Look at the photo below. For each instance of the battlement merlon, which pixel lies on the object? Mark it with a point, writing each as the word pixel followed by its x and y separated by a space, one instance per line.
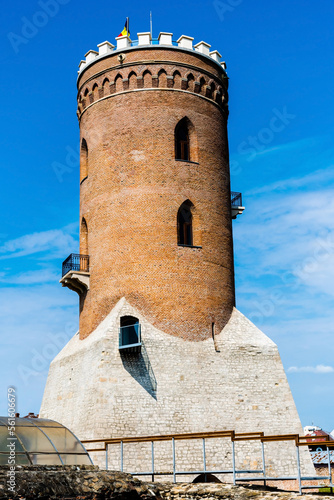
pixel 164 40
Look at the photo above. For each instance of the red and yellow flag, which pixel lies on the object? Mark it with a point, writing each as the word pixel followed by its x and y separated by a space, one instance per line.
pixel 126 30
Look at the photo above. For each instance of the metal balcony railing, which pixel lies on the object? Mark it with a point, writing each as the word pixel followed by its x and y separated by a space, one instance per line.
pixel 130 337
pixel 236 199
pixel 154 41
pixel 75 262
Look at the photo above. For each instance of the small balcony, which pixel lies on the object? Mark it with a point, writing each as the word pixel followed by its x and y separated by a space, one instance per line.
pixel 75 273
pixel 130 338
pixel 236 204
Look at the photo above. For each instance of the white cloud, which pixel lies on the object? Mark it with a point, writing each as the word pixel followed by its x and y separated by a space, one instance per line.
pixel 285 147
pixel 318 176
pixel 311 369
pixel 60 241
pixel 284 252
pixel 37 315
pixel 294 234
pixel 36 321
pixel 31 277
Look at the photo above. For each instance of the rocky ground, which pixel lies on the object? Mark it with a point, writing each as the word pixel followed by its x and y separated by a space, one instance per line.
pixel 90 483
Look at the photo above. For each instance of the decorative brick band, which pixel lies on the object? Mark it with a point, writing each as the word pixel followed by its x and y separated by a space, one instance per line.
pixel 91 103
pixel 183 78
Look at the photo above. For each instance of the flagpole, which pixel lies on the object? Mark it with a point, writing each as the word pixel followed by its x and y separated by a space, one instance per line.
pixel 151 23
pixel 128 27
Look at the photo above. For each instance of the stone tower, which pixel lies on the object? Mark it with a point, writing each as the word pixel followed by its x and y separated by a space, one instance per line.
pixel 160 348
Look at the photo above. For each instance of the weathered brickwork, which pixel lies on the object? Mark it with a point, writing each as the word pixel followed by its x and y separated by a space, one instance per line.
pixel 176 386
pixel 135 187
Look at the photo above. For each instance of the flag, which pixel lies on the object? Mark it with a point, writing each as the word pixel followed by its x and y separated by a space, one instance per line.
pixel 126 31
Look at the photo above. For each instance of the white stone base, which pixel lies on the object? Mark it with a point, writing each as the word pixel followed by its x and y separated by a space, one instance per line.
pixel 175 386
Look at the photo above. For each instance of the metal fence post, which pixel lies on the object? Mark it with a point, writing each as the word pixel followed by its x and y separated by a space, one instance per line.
pixel 174 467
pixel 298 467
pixel 204 459
pixel 263 464
pixel 329 466
pixel 152 448
pixel 121 456
pixel 106 456
pixel 233 462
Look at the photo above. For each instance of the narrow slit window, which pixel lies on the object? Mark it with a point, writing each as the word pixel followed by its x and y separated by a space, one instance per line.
pixel 84 160
pixel 184 224
pixel 182 151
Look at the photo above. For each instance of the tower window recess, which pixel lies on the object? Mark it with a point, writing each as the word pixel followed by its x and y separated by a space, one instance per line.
pixel 130 334
pixel 182 150
pixel 185 224
pixel 84 237
pixel 83 160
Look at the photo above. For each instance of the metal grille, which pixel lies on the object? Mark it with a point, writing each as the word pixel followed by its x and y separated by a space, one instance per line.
pixel 236 199
pixel 129 336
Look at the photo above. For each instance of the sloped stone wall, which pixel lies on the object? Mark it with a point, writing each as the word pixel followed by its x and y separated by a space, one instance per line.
pixel 235 381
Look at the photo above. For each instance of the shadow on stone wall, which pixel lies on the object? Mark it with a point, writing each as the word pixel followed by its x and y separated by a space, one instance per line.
pixel 138 365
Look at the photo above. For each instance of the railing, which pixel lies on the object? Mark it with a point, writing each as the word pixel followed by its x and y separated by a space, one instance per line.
pixel 154 41
pixel 75 262
pixel 130 337
pixel 234 437
pixel 236 199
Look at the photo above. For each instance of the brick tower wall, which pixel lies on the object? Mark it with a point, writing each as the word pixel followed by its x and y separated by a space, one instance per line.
pixel 132 188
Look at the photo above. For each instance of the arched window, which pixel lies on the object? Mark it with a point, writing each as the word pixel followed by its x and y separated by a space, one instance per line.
pixel 185 224
pixel 182 141
pixel 83 160
pixel 129 321
pixel 129 332
pixel 84 238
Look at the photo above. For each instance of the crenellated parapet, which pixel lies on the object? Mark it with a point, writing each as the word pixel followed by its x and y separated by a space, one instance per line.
pixel 145 40
pixel 148 64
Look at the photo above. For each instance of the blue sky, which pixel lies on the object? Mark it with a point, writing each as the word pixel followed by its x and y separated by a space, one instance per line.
pixel 279 59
